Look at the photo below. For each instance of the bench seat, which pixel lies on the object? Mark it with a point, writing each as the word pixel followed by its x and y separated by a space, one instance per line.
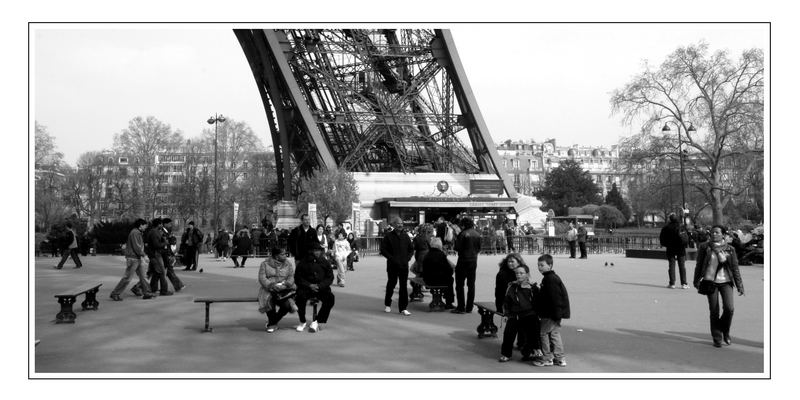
pixel 437 292
pixel 208 300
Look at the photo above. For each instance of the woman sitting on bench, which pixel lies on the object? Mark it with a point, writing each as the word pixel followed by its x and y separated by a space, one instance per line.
pixel 276 293
pixel 437 270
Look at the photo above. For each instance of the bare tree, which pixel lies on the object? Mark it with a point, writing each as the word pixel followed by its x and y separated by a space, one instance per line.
pixel 723 99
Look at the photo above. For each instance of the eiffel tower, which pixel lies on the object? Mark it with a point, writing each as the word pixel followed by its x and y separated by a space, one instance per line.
pixel 368 100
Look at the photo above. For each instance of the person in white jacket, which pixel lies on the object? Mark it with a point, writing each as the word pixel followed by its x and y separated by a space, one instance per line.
pixel 341 249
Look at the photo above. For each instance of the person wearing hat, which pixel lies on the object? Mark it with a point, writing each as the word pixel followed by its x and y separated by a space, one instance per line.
pixel 134 253
pixel 313 278
pixel 397 248
pixel 190 241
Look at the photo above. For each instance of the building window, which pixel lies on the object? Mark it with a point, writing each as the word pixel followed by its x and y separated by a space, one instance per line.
pixel 123 160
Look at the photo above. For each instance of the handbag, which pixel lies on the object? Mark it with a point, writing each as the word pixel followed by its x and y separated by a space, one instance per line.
pixel 705 287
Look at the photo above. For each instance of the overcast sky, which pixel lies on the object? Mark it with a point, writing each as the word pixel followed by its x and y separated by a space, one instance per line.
pixel 531 81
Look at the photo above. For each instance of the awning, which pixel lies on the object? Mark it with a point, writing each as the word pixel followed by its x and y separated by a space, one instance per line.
pixel 448 202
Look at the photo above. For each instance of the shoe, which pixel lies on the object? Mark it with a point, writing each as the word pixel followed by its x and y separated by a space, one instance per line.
pixel 116 297
pixel 78 266
pixel 313 327
pixel 405 312
pixel 271 329
pixel 449 306
pixel 684 286
pixel 57 267
pixel 560 363
pixel 468 311
pixel 542 363
pixel 457 311
pixel 726 339
pixel 136 291
pixel 717 344
pixel 387 309
pixel 167 293
pixel 148 296
pixel 301 327
pixel 671 286
pixel 180 288
pixel 504 359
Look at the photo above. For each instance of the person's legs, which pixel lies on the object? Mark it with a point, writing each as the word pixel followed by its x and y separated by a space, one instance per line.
pixel 403 281
pixel 189 257
pixel 131 265
pixel 276 314
pixel 713 309
pixel 235 261
pixel 470 287
pixel 142 286
pixel 582 245
pixel 159 276
pixel 448 293
pixel 327 298
pixel 391 282
pixel 682 269
pixel 509 333
pixel 341 269
pixel 461 276
pixel 244 260
pixel 556 342
pixel 528 334
pixel 726 292
pixel 671 270
pixel 300 299
pixel 546 326
pixel 571 249
pixel 74 254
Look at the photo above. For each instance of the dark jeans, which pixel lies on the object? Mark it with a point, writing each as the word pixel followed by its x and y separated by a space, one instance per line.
pixel 394 275
pixel 70 253
pixel 280 309
pixel 465 272
pixel 681 268
pixel 582 246
pixel 169 261
pixel 721 324
pixel 190 258
pixel 527 328
pixel 324 295
pixel 236 263
pixel 159 278
pixel 571 249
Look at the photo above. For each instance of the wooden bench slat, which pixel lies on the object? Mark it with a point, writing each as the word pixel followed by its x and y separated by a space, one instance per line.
pixel 225 299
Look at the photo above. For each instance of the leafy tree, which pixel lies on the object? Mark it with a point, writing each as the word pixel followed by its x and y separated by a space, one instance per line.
pixel 608 216
pixel 45 147
pixel 143 139
pixel 723 99
pixel 568 185
pixel 614 198
pixel 333 191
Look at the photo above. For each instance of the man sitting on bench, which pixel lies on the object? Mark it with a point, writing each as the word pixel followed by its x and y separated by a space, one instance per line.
pixel 438 271
pixel 313 277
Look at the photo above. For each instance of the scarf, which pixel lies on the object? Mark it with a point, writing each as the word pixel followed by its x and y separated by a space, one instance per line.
pixel 715 259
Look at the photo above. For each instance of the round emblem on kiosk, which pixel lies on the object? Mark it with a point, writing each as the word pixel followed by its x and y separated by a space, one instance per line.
pixel 442 186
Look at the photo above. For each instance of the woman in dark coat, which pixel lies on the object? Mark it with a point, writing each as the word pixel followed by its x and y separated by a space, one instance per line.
pixel 505 276
pixel 242 244
pixel 438 271
pixel 718 270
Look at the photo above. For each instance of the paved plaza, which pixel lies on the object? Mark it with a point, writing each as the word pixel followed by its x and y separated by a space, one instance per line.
pixel 624 320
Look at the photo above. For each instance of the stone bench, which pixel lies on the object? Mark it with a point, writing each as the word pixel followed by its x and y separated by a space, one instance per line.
pixel 487 311
pixel 68 298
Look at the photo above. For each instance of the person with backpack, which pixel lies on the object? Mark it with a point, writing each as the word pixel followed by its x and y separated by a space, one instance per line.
pixel 675 240
pixel 69 248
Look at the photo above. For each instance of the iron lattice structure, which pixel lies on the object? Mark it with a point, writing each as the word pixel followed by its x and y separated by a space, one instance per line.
pixel 378 100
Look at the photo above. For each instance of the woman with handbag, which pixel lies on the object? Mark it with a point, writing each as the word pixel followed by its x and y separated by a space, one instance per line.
pixel 276 288
pixel 716 274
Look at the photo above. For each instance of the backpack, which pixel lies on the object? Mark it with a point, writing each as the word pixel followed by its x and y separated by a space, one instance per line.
pixel 684 237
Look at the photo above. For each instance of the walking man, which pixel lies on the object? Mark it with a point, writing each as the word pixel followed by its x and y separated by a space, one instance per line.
pixel 397 248
pixel 134 252
pixel 156 246
pixel 670 238
pixel 169 255
pixel 69 248
pixel 190 241
pixel 468 245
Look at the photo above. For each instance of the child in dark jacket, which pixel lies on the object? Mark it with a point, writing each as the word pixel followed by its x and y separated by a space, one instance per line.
pixel 520 314
pixel 552 306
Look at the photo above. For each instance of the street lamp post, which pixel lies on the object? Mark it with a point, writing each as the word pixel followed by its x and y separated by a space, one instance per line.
pixel 691 128
pixel 215 120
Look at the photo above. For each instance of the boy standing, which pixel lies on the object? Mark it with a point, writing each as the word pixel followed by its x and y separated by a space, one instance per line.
pixel 520 314
pixel 553 306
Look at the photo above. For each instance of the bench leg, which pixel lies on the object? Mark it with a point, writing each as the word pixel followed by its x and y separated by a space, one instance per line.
pixel 487 326
pixel 91 300
pixel 66 315
pixel 436 302
pixel 208 321
pixel 416 292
